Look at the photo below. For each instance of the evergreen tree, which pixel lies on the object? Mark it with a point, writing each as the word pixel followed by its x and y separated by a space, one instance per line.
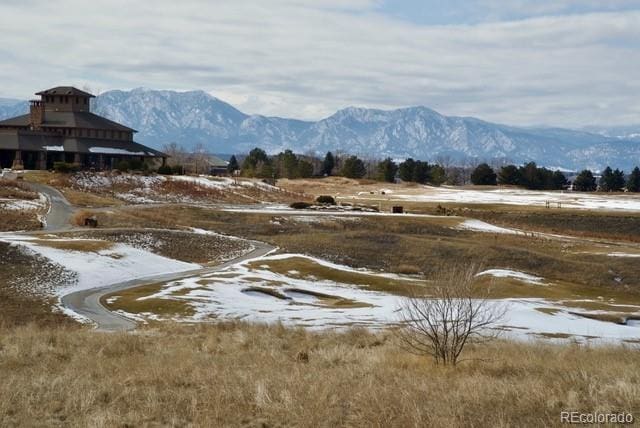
pixel 287 164
pixel 232 166
pixel 421 172
pixel 387 170
pixel 612 181
pixel 618 182
pixel 305 169
pixel 265 170
pixel 585 182
pixel 633 184
pixel 558 180
pixel 606 181
pixel 509 175
pixel 529 176
pixel 406 170
pixel 484 175
pixel 254 162
pixel 328 164
pixel 438 175
pixel 353 168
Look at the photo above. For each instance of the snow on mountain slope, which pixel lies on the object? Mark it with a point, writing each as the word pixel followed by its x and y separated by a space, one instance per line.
pixel 195 117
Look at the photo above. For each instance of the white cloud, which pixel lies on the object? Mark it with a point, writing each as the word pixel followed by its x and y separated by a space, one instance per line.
pixel 298 59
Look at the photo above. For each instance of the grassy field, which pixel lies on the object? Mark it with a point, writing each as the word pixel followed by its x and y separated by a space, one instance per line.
pixel 24 283
pixel 57 373
pixel 397 244
pixel 256 376
pixel 104 191
pixel 12 219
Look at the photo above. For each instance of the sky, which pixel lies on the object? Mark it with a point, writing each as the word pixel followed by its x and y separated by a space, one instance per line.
pixel 570 63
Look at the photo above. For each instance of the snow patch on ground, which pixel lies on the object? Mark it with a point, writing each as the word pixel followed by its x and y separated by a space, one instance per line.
pixel 226 295
pixel 481 226
pixel 97 269
pixel 577 200
pixel 506 273
pixel 624 255
pixel 24 204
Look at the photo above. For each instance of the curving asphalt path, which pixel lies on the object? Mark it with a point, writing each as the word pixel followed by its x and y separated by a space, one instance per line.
pixel 87 302
pixel 60 210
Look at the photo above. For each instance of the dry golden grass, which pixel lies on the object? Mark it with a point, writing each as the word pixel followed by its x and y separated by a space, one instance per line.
pixel 85 245
pixel 80 216
pixel 89 200
pixel 16 190
pixel 249 375
pixel 389 242
pixel 129 301
pixel 12 220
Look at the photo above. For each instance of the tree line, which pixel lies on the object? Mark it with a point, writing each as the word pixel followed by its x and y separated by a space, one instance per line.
pixel 286 164
pixel 530 176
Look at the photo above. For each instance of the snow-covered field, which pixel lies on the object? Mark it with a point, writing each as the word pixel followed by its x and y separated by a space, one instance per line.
pixel 114 264
pixel 257 294
pixel 595 201
pixel 239 293
pixel 24 204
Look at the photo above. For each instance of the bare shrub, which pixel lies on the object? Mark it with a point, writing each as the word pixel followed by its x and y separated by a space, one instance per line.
pixel 80 216
pixel 442 324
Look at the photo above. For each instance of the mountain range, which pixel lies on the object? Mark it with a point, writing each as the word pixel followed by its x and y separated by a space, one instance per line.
pixel 197 118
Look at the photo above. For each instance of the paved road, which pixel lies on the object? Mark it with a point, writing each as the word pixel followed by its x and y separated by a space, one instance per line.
pixel 60 210
pixel 87 302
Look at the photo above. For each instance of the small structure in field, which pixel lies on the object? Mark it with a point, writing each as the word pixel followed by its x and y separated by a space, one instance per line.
pixel 91 222
pixel 397 209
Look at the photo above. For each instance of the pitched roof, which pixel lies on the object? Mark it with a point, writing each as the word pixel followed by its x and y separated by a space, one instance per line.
pixel 65 90
pixel 69 119
pixel 41 141
pixel 23 120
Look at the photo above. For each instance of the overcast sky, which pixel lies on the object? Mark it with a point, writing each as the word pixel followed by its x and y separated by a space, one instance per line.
pixel 553 62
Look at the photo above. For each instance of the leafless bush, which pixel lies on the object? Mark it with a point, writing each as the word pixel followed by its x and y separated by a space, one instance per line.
pixel 442 324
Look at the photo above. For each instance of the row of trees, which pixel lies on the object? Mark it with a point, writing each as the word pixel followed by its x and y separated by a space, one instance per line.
pixel 531 176
pixel 288 165
pixel 610 181
pixel 284 165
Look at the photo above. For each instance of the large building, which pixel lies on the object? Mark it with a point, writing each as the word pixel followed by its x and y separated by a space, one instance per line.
pixel 61 128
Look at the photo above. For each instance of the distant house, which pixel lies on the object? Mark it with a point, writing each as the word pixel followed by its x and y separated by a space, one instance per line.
pixel 61 128
pixel 200 163
pixel 217 166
